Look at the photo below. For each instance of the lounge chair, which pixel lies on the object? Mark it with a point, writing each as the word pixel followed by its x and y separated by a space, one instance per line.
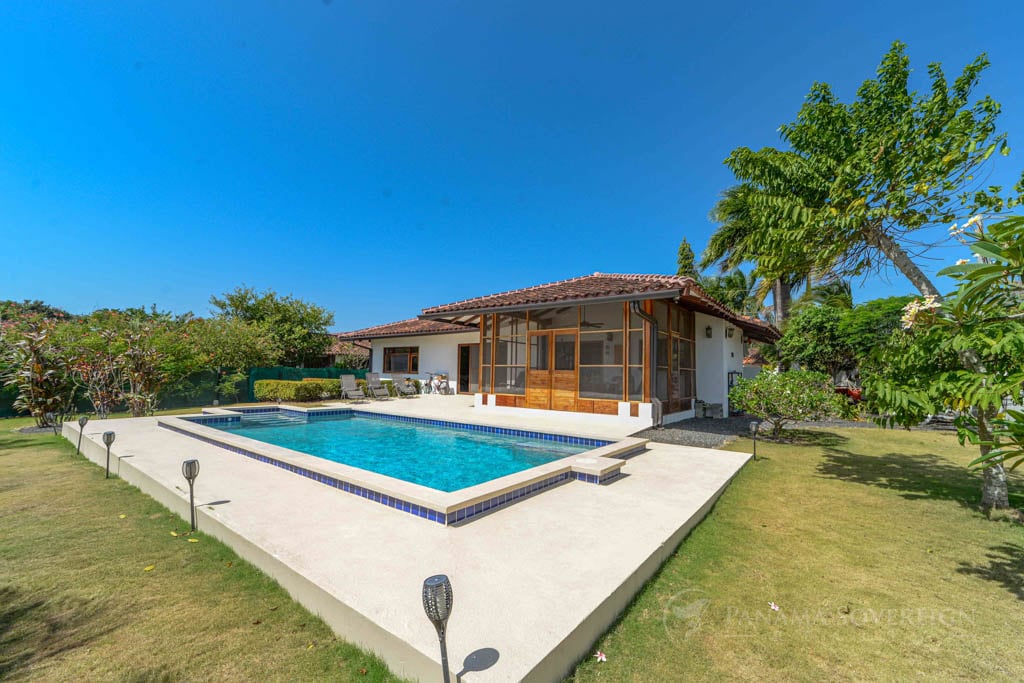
pixel 376 387
pixel 405 388
pixel 350 390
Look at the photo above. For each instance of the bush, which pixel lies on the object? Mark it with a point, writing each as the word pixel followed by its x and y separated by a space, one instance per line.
pixel 780 398
pixel 287 390
pixel 813 340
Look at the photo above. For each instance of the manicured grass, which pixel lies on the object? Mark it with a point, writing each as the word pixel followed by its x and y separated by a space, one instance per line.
pixel 869 543
pixel 77 601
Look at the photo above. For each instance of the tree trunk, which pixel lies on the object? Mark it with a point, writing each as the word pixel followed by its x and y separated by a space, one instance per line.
pixel 994 492
pixel 782 298
pixel 877 238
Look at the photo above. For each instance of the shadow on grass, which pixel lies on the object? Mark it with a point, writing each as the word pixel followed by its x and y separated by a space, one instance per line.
pixel 913 476
pixel 34 628
pixel 10 445
pixel 1005 567
pixel 806 437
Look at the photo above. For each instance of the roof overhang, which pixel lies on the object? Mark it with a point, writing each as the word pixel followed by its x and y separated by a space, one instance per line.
pixel 698 302
pixel 459 317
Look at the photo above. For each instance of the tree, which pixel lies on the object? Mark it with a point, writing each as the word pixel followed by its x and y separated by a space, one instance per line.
pixel 870 174
pixel 299 327
pixel 735 289
pixel 134 354
pixel 868 326
pixel 745 215
pixel 95 367
pixel 37 365
pixel 835 293
pixel 781 398
pixel 686 261
pixel 21 310
pixel 813 340
pixel 966 353
pixel 230 347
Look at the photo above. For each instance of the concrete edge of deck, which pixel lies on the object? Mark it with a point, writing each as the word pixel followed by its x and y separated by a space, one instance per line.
pixel 576 646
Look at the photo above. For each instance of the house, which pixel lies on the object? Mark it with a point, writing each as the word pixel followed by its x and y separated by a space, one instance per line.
pixel 351 354
pixel 630 346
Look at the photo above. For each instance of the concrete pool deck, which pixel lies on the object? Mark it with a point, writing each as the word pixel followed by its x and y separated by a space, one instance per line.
pixel 538 582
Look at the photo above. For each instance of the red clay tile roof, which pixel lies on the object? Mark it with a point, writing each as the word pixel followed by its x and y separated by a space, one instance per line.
pixel 608 286
pixel 348 347
pixel 405 328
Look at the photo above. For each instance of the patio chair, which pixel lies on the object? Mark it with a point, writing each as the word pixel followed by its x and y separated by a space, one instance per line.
pixel 405 388
pixel 350 390
pixel 376 387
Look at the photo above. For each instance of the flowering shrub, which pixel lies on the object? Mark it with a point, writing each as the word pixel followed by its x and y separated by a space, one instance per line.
pixel 781 398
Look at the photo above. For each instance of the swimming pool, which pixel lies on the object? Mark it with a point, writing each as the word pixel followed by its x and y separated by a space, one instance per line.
pixel 444 459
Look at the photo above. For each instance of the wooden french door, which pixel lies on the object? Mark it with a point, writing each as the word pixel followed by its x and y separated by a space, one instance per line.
pixel 551 370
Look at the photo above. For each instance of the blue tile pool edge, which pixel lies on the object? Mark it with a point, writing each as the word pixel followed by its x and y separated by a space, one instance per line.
pixel 459 515
pixel 444 424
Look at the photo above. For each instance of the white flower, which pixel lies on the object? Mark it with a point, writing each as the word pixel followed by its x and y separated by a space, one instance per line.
pixel 601 657
pixel 973 220
pixel 962 261
pixel 773 607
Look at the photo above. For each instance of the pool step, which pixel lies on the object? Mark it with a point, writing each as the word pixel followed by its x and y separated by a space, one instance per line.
pixel 272 419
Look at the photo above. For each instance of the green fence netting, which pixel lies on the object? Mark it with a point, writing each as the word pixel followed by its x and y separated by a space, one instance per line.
pixel 198 389
pixel 297 375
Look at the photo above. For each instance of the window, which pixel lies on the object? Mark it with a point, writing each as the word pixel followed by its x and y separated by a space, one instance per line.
pixel 554 318
pixel 510 353
pixel 682 373
pixel 602 351
pixel 636 358
pixel 402 359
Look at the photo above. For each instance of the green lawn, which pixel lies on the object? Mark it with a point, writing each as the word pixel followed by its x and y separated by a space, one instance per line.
pixel 77 603
pixel 868 542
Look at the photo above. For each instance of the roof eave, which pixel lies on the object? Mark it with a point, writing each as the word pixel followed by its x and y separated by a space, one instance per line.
pixel 449 316
pixel 354 336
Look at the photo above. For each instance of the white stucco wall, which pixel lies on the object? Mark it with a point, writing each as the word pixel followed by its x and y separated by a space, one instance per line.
pixel 439 353
pixel 716 358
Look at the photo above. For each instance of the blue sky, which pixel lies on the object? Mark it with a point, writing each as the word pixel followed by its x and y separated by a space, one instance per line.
pixel 380 157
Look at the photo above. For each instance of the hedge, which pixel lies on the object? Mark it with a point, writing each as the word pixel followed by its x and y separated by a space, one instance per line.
pixel 287 390
pixel 313 389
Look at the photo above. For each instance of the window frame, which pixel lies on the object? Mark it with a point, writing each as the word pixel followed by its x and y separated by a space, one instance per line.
pixel 412 354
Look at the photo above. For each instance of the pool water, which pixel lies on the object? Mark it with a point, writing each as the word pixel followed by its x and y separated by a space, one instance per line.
pixel 442 459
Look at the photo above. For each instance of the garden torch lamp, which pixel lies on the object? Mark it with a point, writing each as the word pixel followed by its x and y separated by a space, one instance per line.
pixel 190 470
pixel 108 439
pixel 754 427
pixel 82 421
pixel 437 603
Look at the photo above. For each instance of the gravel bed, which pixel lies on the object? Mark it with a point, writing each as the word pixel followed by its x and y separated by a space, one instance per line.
pixel 36 430
pixel 711 433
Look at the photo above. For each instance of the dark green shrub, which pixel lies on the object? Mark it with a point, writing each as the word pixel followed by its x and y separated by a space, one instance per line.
pixel 325 388
pixel 288 390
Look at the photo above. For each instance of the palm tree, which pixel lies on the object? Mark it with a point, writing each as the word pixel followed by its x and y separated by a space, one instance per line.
pixel 735 289
pixel 835 293
pixel 743 236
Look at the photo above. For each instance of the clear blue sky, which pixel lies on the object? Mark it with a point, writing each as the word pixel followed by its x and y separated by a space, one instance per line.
pixel 377 157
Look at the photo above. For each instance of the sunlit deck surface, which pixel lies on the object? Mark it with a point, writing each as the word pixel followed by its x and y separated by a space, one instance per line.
pixel 538 581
